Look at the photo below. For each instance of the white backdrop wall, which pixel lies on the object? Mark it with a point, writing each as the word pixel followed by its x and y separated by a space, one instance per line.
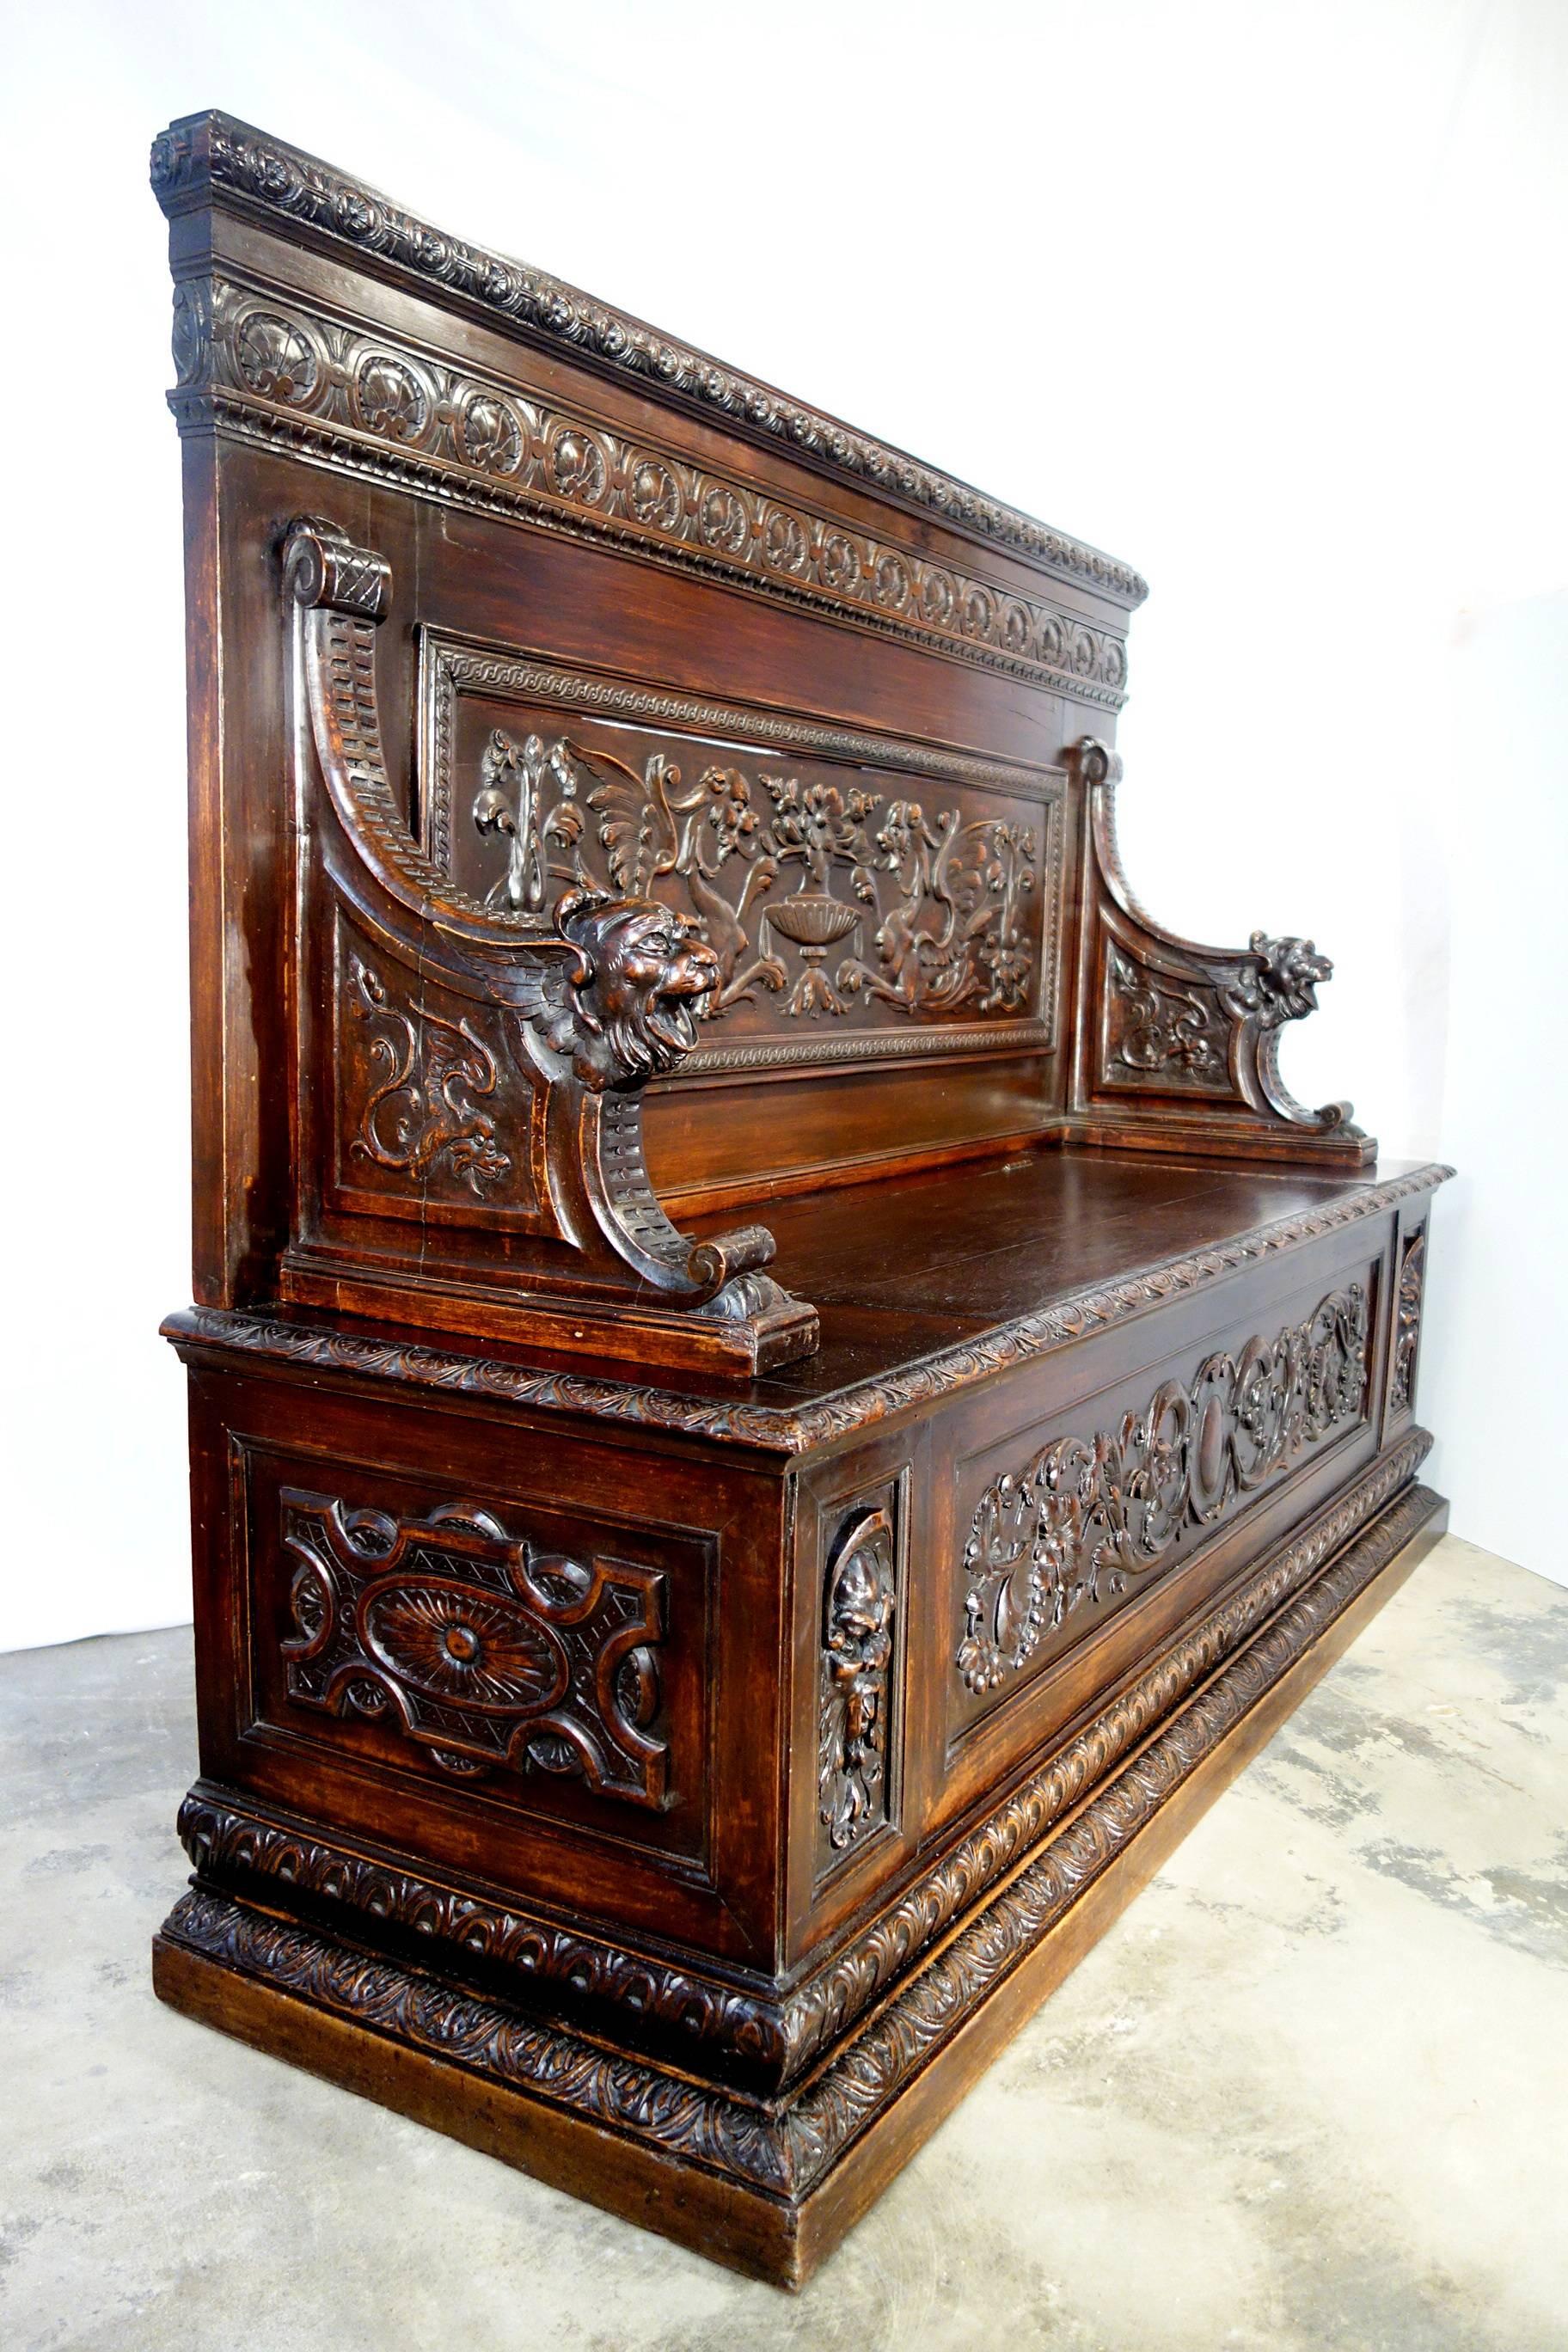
pixel 1318 404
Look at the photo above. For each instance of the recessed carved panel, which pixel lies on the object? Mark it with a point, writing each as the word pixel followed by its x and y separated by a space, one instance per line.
pixel 862 895
pixel 431 1105
pixel 485 1652
pixel 858 1640
pixel 1407 1320
pixel 1092 1517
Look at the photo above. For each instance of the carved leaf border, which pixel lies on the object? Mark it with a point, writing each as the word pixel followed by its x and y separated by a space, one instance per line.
pixel 781 2036
pixel 785 2148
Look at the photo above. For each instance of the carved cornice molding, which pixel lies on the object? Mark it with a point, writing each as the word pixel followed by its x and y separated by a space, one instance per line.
pixel 208 153
pixel 786 2147
pixel 775 2038
pixel 268 367
pixel 775 1428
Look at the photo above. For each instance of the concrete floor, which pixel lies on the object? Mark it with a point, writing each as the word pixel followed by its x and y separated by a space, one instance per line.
pixel 1312 2091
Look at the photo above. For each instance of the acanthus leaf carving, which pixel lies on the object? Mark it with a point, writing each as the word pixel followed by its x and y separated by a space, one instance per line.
pixel 422 1115
pixel 1088 1514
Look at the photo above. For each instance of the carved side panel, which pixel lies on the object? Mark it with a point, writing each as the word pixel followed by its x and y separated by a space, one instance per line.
pixel 1094 1514
pixel 1407 1320
pixel 489 1653
pixel 863 896
pixel 1161 1026
pixel 861 1640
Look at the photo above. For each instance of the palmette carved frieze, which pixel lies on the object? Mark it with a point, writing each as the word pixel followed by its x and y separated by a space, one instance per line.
pixel 484 1651
pixel 270 368
pixel 928 912
pixel 858 1640
pixel 1087 1514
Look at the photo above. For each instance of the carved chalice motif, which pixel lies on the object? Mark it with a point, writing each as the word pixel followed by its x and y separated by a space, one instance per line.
pixel 943 900
pixel 813 921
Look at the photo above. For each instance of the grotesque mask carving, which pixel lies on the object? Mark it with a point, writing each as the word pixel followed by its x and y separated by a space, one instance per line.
pixel 629 1010
pixel 1285 988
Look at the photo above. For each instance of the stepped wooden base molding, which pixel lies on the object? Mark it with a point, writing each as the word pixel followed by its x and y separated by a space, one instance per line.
pixel 770 2184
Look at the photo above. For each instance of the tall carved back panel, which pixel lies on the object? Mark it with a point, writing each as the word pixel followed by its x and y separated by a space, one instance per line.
pixel 643 629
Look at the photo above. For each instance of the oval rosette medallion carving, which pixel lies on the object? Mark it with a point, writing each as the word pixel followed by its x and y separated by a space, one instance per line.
pixel 448 1641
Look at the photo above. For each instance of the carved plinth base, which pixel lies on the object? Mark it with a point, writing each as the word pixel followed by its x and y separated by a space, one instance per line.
pixel 769 2185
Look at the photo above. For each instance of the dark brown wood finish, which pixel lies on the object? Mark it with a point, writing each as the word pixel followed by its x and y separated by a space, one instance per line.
pixel 674 1692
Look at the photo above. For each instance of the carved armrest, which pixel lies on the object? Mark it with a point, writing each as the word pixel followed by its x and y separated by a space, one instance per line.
pixel 1191 1029
pixel 604 993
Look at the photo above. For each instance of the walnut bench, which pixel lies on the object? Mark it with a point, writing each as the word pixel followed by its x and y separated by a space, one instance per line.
pixel 675 1692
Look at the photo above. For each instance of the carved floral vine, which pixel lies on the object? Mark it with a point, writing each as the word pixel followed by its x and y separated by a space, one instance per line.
pixel 928 910
pixel 1087 1513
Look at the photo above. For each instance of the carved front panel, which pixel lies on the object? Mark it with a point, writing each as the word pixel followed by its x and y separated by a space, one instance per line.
pixel 1070 1529
pixel 488 1652
pixel 538 1658
pixel 863 896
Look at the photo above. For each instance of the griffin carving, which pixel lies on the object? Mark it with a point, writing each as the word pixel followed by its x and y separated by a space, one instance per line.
pixel 626 1011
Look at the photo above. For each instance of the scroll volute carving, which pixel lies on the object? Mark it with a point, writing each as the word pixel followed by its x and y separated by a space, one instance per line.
pixel 1182 1040
pixel 602 994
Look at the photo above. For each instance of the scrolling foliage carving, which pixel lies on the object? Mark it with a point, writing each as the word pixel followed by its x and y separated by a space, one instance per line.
pixel 1067 1531
pixel 929 911
pixel 857 1658
pixel 1178 1019
pixel 485 1652
pixel 422 1115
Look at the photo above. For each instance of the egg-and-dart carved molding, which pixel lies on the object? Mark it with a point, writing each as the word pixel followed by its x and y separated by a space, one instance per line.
pixel 775 2038
pixel 786 2147
pixel 214 150
pixel 776 1429
pixel 266 365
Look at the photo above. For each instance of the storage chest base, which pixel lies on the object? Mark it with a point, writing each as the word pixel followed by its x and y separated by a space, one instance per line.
pixel 772 2187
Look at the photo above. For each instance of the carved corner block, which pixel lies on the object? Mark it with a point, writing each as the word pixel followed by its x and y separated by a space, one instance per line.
pixel 1180 1043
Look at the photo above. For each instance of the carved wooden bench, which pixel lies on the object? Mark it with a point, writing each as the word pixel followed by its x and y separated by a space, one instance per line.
pixel 676 1691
